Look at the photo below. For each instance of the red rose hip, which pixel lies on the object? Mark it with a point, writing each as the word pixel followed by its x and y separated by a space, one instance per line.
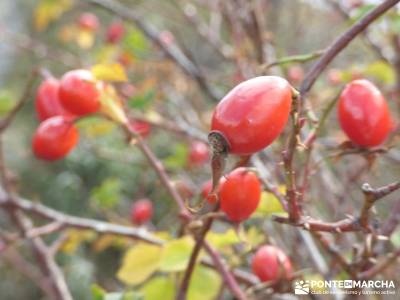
pixel 88 21
pixel 78 92
pixel 47 100
pixel 142 128
pixel 115 32
pixel 198 153
pixel 253 114
pixel 141 211
pixel 364 114
pixel 239 194
pixel 54 138
pixel 271 264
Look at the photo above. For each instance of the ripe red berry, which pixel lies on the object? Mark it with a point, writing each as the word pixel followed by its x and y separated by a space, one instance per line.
pixel 141 127
pixel 198 153
pixel 253 114
pixel 47 100
pixel 364 114
pixel 54 138
pixel 115 32
pixel 78 92
pixel 141 211
pixel 295 74
pixel 271 264
pixel 88 21
pixel 206 189
pixel 239 194
pixel 334 76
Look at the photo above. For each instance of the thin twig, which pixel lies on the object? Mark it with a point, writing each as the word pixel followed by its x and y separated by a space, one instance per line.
pixel 341 42
pixel 171 51
pixel 4 123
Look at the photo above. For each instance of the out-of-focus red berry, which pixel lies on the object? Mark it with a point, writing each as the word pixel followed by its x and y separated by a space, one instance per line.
pixel 198 153
pixel 88 21
pixel 48 103
pixel 271 264
pixel 54 138
pixel 141 211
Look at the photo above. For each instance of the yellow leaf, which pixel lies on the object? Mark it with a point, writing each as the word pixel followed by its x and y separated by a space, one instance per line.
pixel 111 105
pixel 159 288
pixel 176 254
pixel 223 239
pixel 48 11
pixel 204 285
pixel 109 72
pixel 139 263
pixel 75 238
pixel 269 204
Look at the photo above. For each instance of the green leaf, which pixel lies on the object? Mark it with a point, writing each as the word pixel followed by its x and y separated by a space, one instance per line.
pixel 108 194
pixel 179 157
pixel 176 254
pixel 139 263
pixel 142 101
pixel 135 42
pixel 6 102
pixel 223 239
pixel 269 204
pixel 395 239
pixel 204 285
pixel 157 288
pixel 98 293
pixel 381 71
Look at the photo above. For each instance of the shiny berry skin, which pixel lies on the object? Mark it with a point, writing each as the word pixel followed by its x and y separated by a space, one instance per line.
pixel 253 114
pixel 364 114
pixel 141 211
pixel 198 153
pixel 239 194
pixel 271 264
pixel 140 127
pixel 115 32
pixel 48 103
pixel 55 138
pixel 88 21
pixel 78 92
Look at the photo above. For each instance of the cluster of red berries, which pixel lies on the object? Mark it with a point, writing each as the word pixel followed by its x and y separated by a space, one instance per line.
pixel 252 115
pixel 58 104
pixel 89 22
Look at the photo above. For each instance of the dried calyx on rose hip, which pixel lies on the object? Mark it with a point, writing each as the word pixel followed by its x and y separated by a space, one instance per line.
pixel 239 194
pixel 253 114
pixel 271 264
pixel 48 102
pixel 363 114
pixel 55 138
pixel 79 92
pixel 141 211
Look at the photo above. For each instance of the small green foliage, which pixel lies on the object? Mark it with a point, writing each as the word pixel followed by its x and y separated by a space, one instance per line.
pixel 108 194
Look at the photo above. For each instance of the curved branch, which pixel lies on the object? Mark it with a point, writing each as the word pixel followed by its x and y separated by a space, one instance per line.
pixel 341 42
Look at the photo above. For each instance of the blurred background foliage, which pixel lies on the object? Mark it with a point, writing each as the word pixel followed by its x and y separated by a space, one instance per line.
pixel 103 175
